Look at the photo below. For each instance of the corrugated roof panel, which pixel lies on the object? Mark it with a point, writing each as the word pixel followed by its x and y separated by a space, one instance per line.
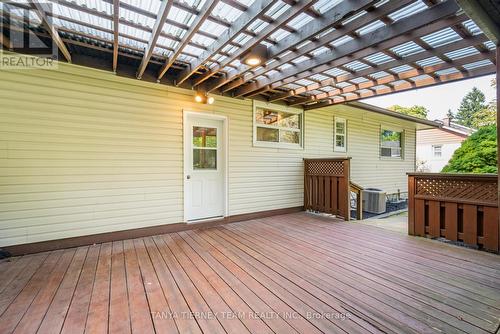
pixel 472 27
pixel 327 88
pixel 131 42
pixel 457 54
pixel 277 10
pixel 304 82
pixel 257 25
pixel 335 72
pixel 407 49
pixel 300 20
pixel 325 5
pixel 193 50
pixel 318 77
pixel 378 75
pixel 300 59
pixel 284 66
pixel 229 13
pixel 441 37
pixel 342 40
pixel 342 84
pixel 292 86
pixel 430 61
pixel 447 71
pixel 242 38
pixel 213 28
pixel 354 17
pixel 370 27
pixel 420 77
pixel 379 58
pixel 477 64
pixel 319 51
pixel 409 10
pixel 359 80
pixel 152 6
pixel 279 34
pixel 490 45
pixel 356 66
pixel 401 68
pixel 379 87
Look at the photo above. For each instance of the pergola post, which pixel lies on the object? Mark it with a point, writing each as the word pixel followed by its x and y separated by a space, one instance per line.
pixel 498 133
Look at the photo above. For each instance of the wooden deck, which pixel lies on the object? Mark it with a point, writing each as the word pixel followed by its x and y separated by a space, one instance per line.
pixel 285 274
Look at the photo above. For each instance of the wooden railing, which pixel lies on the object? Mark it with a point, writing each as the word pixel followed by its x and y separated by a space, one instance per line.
pixel 326 186
pixel 457 207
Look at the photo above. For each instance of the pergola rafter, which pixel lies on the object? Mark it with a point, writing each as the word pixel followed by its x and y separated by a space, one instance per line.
pixel 427 21
pixel 47 24
pixel 160 21
pixel 195 26
pixel 254 11
pixel 116 19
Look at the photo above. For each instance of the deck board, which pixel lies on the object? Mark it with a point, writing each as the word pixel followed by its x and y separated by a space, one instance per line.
pixel 296 273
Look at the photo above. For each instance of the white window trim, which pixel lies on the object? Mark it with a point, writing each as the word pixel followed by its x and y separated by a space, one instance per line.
pixel 256 143
pixel 403 139
pixel 335 147
pixel 434 151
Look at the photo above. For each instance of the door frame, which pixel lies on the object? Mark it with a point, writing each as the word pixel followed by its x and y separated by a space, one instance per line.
pixel 186 150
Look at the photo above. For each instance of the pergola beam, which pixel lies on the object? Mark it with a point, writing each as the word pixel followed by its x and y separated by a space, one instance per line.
pixel 195 26
pixel 296 9
pixel 485 70
pixel 116 19
pixel 241 23
pixel 328 20
pixel 485 18
pixel 410 74
pixel 47 24
pixel 426 21
pixel 475 40
pixel 157 28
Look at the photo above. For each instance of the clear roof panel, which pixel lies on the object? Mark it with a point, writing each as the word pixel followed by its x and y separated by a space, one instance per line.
pixel 441 37
pixel 477 64
pixel 408 10
pixel 462 53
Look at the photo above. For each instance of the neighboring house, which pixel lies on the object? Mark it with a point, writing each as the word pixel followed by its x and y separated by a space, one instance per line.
pixel 436 146
pixel 85 152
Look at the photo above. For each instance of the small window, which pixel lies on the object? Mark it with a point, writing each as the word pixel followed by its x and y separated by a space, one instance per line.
pixel 391 143
pixel 340 135
pixel 437 150
pixel 277 128
pixel 204 148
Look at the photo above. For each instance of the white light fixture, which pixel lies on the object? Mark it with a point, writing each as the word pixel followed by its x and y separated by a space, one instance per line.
pixel 255 56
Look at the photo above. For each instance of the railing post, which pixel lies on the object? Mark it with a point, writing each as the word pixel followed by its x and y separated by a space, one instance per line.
pixel 411 205
pixel 347 177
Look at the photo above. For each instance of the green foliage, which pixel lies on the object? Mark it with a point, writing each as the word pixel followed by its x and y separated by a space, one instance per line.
pixel 477 154
pixel 416 111
pixel 485 117
pixel 471 104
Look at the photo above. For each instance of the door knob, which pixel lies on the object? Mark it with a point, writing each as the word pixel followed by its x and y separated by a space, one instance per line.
pixel 188 177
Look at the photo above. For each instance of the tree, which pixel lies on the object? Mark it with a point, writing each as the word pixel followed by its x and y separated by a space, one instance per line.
pixel 471 104
pixel 477 154
pixel 485 117
pixel 416 111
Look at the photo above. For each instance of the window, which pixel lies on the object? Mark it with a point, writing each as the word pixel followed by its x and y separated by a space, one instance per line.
pixel 340 135
pixel 277 128
pixel 204 148
pixel 437 150
pixel 391 143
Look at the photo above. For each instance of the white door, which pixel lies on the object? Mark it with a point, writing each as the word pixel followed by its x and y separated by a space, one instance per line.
pixel 204 167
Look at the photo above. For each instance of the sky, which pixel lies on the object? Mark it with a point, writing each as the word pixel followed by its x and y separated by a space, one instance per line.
pixel 437 99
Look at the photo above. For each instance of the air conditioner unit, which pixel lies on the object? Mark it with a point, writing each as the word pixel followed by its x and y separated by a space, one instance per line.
pixel 373 200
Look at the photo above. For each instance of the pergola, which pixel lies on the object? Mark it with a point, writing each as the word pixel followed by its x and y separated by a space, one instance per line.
pixel 319 52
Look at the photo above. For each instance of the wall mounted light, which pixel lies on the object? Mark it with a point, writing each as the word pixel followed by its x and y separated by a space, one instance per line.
pixel 201 97
pixel 255 56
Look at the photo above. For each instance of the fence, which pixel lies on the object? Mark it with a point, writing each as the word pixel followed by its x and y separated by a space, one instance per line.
pixel 458 207
pixel 326 186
